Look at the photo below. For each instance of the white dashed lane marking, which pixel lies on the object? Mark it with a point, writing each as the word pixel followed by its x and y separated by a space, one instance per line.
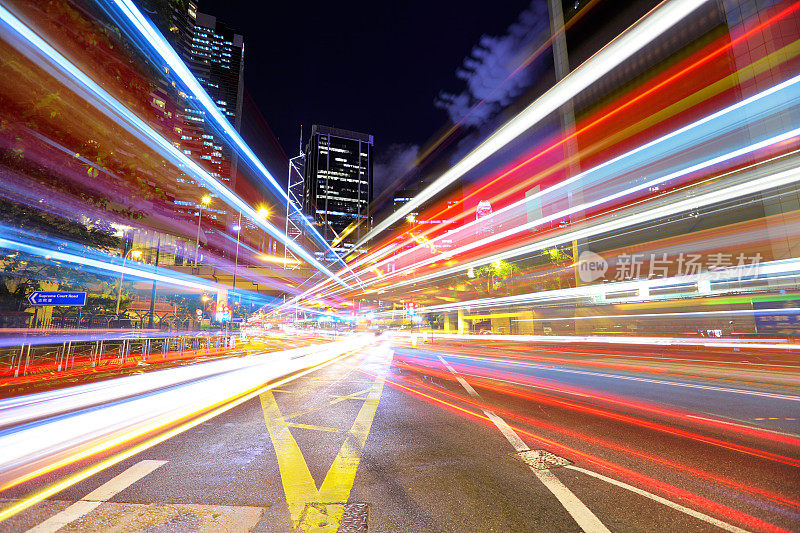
pixel 582 515
pixel 576 508
pixel 101 494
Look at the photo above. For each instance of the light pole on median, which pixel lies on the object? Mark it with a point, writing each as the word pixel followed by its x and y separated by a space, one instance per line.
pixel 136 254
pixel 237 228
pixel 153 293
pixel 204 202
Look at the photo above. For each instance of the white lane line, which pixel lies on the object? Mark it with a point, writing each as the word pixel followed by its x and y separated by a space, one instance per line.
pixel 585 518
pixel 691 512
pixel 742 423
pixel 746 425
pixel 553 483
pixel 648 380
pixel 101 494
pixel 67 516
pixel 123 481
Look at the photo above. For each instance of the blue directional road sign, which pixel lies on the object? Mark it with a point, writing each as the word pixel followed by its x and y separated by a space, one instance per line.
pixel 57 298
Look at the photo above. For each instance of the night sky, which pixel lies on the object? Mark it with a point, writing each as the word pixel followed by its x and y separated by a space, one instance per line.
pixel 372 66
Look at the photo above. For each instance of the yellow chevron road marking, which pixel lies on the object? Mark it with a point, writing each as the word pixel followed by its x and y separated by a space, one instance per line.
pixel 316 428
pixel 337 399
pixel 313 509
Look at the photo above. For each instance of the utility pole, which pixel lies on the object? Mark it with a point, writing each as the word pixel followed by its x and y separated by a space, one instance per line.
pixel 561 65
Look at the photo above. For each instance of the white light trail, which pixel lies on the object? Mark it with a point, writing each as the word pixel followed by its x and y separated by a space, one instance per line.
pixel 770 269
pixel 588 205
pixel 57 255
pixel 652 25
pixel 97 417
pixel 687 314
pixel 742 189
pixel 85 86
pixel 729 113
pixel 670 209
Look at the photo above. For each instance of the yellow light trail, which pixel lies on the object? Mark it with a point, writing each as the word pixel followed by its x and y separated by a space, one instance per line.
pixel 217 409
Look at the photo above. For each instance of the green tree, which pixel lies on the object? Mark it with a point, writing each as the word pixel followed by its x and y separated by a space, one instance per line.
pixel 21 274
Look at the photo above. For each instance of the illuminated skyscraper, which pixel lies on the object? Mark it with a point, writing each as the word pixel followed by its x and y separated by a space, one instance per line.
pixel 218 63
pixel 338 185
pixel 214 53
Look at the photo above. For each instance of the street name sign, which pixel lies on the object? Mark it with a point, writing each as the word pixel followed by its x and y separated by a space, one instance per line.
pixel 57 298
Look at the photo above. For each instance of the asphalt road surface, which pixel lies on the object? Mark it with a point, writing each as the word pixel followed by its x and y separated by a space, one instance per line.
pixel 456 437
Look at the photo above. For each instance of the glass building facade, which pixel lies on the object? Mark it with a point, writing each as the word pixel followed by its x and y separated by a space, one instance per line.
pixel 338 185
pixel 214 53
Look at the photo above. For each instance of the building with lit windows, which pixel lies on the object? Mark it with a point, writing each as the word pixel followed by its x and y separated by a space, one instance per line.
pixel 338 185
pixel 217 61
pixel 214 53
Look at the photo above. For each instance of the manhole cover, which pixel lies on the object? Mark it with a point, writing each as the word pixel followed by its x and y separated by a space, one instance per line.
pixel 355 518
pixel 338 517
pixel 541 459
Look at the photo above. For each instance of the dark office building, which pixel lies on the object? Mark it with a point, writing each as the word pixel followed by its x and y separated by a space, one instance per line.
pixel 338 185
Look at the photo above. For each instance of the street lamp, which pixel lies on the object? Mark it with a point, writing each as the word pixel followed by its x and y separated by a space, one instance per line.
pixel 136 254
pixel 263 213
pixel 205 200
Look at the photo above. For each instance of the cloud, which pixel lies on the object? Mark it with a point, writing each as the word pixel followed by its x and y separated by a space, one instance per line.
pixel 391 165
pixel 488 70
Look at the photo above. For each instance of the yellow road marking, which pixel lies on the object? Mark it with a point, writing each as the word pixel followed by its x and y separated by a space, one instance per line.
pixel 215 410
pixel 313 509
pixel 316 428
pixel 354 396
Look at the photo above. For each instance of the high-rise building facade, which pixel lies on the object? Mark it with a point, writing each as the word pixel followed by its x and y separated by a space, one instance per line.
pixel 214 53
pixel 217 61
pixel 338 185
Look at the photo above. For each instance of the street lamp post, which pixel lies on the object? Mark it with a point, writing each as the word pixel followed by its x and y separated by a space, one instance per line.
pixel 135 254
pixel 237 228
pixel 153 293
pixel 204 299
pixel 204 202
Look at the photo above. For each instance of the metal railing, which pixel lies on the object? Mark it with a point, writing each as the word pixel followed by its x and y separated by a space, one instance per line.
pixel 60 351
